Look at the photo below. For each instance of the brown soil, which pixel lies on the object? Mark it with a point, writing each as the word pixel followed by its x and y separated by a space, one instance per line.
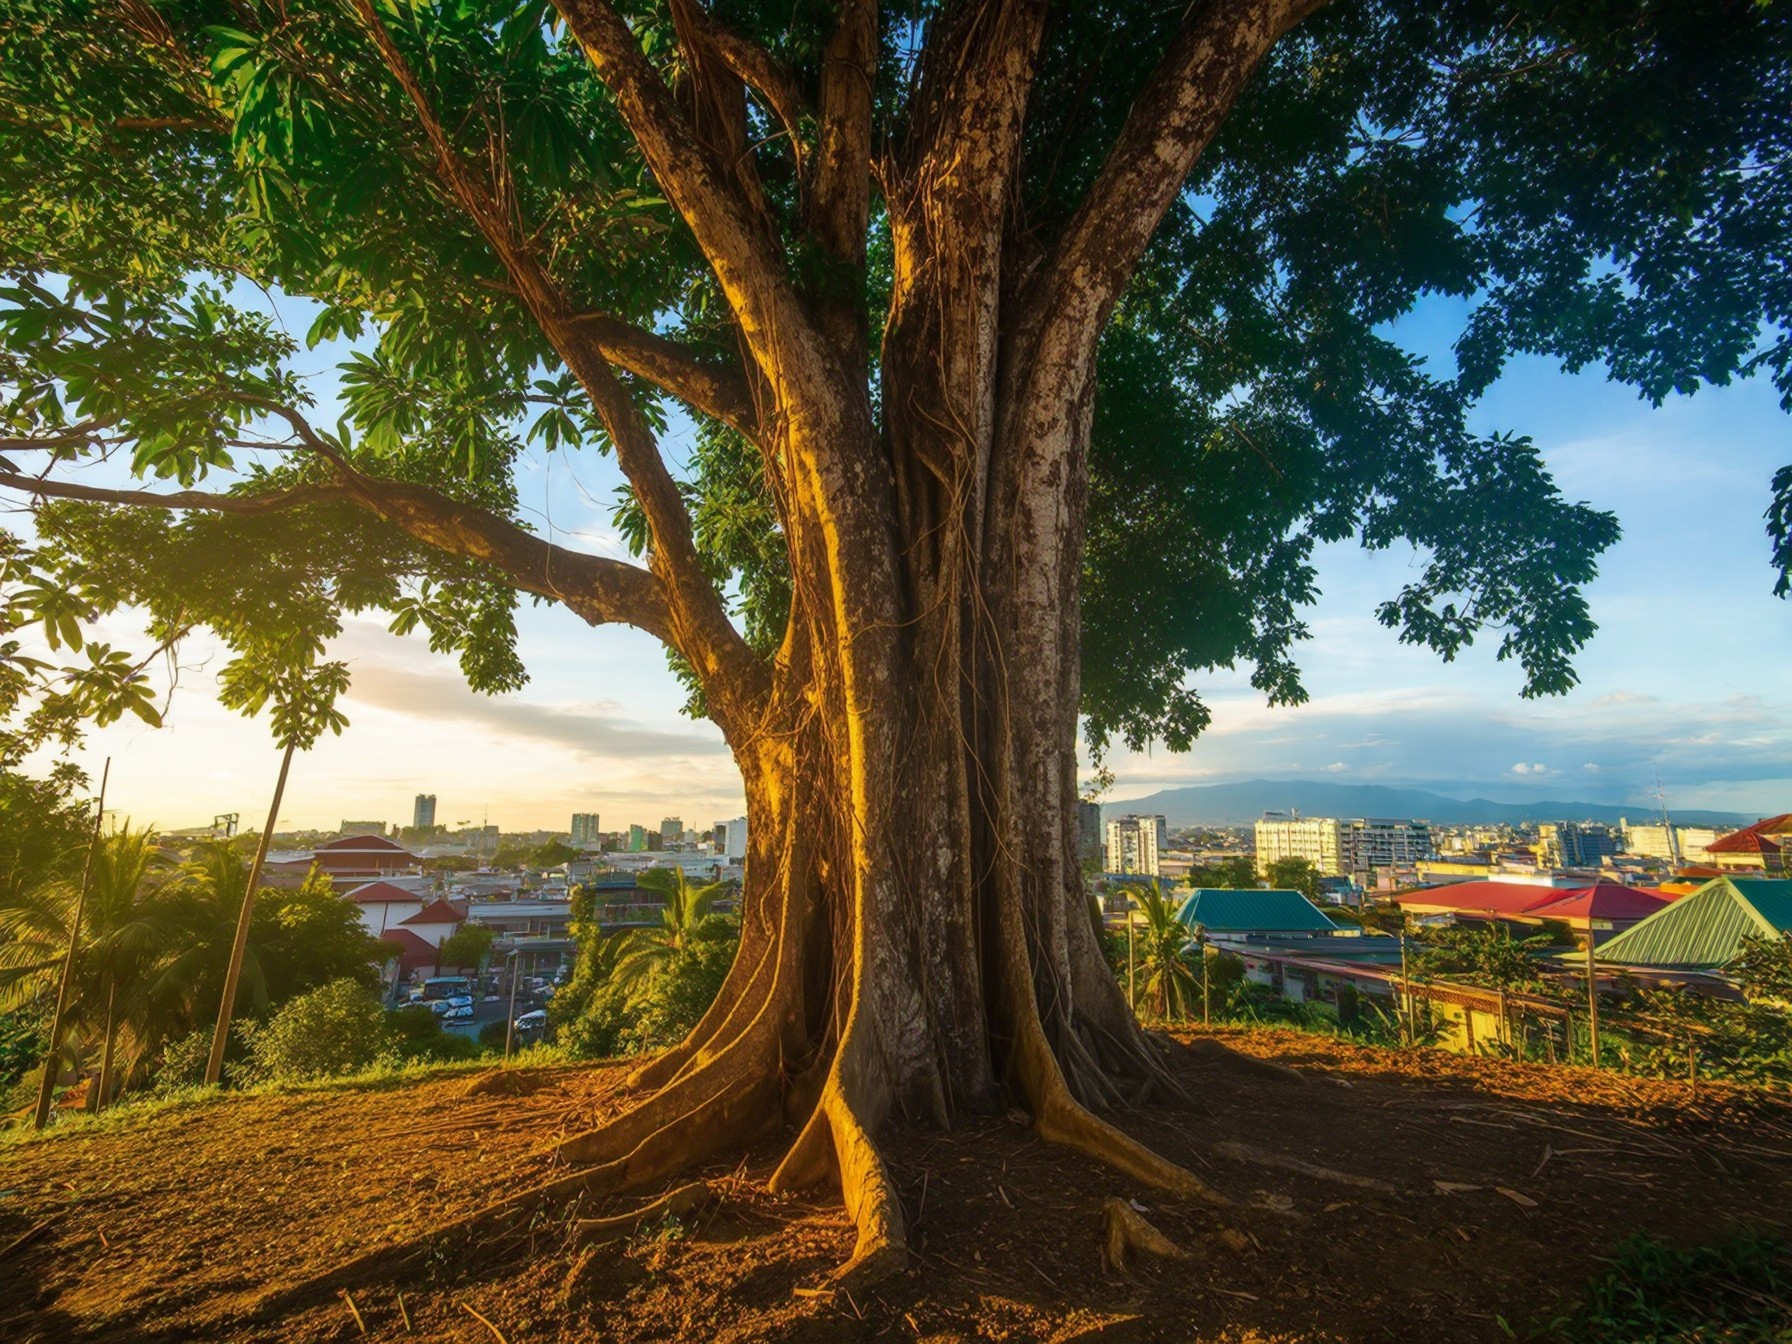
pixel 199 1222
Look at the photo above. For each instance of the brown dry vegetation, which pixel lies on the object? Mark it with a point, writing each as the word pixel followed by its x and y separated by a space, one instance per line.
pixel 209 1221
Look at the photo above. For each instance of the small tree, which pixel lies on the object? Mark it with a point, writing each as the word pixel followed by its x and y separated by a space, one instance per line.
pixel 1171 986
pixel 336 1029
pixel 1764 969
pixel 1230 874
pixel 1295 875
pixel 467 946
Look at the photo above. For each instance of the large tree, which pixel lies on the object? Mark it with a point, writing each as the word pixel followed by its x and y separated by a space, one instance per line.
pixel 1030 350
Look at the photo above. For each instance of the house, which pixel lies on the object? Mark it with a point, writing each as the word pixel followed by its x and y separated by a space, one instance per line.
pixel 1480 900
pixel 350 858
pixel 1223 911
pixel 419 936
pixel 1607 908
pixel 385 906
pixel 1704 931
pixel 1760 848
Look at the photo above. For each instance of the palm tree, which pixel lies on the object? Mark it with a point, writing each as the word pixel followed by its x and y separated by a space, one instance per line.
pixel 687 917
pixel 138 920
pixel 1170 983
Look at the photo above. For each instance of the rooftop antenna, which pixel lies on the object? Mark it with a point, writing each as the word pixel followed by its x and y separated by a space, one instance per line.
pixel 1666 825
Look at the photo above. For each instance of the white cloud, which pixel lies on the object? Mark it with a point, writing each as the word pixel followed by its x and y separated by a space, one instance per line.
pixel 1531 770
pixel 1336 768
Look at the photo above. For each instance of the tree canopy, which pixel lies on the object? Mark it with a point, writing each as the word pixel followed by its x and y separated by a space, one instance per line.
pixel 1600 187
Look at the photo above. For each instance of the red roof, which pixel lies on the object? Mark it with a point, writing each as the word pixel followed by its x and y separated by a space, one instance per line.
pixel 437 911
pixel 1753 839
pixel 1484 898
pixel 382 893
pixel 1604 900
pixel 412 950
pixel 358 843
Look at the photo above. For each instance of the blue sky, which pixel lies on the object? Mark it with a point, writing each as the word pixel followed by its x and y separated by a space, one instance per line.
pixel 1686 676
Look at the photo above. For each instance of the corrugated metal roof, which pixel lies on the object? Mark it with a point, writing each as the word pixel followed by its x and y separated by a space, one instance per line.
pixel 1704 931
pixel 1222 908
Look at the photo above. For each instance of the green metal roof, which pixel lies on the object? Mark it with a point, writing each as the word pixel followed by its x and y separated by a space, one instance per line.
pixel 1221 909
pixel 1704 930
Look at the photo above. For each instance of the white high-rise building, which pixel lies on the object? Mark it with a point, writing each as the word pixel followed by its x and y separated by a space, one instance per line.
pixel 734 839
pixel 1134 844
pixel 1318 840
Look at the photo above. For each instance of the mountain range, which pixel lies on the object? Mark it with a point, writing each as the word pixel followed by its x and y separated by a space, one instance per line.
pixel 1242 803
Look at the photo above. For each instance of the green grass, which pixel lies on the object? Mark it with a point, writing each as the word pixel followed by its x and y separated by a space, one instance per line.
pixel 1737 1291
pixel 381 1076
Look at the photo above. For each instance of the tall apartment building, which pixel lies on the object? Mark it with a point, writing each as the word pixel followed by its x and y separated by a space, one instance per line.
pixel 1376 842
pixel 1318 840
pixel 584 828
pixel 1134 843
pixel 671 832
pixel 423 811
pixel 1340 848
pixel 1574 844
pixel 1651 842
pixel 637 839
pixel 733 838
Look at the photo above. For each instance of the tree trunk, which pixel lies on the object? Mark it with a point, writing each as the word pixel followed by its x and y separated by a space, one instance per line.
pixel 916 942
pixel 103 1089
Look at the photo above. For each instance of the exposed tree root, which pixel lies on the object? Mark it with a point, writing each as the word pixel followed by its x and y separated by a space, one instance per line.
pixel 674 1203
pixel 1126 1234
pixel 1243 1152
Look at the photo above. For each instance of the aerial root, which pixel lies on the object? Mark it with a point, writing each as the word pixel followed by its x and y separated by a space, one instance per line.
pixel 1125 1233
pixel 1243 1152
pixel 730 1069
pixel 676 1203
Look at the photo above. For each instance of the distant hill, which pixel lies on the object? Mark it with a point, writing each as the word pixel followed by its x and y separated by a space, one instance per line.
pixel 1242 803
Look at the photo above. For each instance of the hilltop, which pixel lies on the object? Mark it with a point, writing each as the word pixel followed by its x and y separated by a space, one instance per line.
pixel 1385 1195
pixel 1242 803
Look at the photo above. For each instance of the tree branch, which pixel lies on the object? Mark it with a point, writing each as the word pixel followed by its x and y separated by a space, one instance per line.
pixel 733 676
pixel 745 261
pixel 717 390
pixel 598 589
pixel 1172 121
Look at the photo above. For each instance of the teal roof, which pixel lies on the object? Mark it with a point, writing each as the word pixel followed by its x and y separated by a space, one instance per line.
pixel 1704 930
pixel 1223 910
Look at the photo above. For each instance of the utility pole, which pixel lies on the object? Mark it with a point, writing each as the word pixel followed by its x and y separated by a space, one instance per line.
pixel 46 1090
pixel 1406 985
pixel 214 1066
pixel 1132 1000
pixel 510 1022
pixel 1206 1006
pixel 1592 992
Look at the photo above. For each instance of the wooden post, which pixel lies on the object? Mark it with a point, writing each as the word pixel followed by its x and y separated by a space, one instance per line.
pixel 46 1090
pixel 1592 993
pixel 1406 985
pixel 1692 1066
pixel 510 1022
pixel 214 1067
pixel 1206 1007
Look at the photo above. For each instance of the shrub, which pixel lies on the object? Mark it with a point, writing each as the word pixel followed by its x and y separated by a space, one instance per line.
pixel 336 1029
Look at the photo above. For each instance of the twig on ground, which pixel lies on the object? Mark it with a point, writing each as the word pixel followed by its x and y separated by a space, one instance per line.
pixel 497 1334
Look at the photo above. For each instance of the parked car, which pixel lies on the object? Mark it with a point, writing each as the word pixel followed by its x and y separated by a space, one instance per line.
pixel 532 1023
pixel 458 1012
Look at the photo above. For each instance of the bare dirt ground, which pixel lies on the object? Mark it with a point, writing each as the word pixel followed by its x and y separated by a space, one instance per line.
pixel 1460 1192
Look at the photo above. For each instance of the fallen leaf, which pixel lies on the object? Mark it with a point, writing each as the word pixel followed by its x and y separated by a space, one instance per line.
pixel 1523 1201
pixel 1455 1187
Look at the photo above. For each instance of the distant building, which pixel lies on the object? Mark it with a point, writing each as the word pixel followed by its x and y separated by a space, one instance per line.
pixel 1341 848
pixel 353 856
pixel 1573 844
pixel 731 839
pixel 1318 840
pixel 1688 844
pixel 584 829
pixel 362 828
pixel 1704 931
pixel 423 812
pixel 671 832
pixel 637 840
pixel 1375 843
pixel 1760 848
pixel 1134 844
pixel 1088 832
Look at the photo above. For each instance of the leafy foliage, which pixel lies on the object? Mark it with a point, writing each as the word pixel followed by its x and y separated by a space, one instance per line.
pixel 469 945
pixel 336 1028
pixel 1165 947
pixel 1597 186
pixel 1654 1293
pixel 1295 875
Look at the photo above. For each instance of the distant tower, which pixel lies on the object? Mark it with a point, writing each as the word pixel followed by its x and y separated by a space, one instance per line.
pixel 423 812
pixel 584 828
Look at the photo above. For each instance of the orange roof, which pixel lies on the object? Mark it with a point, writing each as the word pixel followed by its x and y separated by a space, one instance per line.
pixel 437 911
pixel 412 950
